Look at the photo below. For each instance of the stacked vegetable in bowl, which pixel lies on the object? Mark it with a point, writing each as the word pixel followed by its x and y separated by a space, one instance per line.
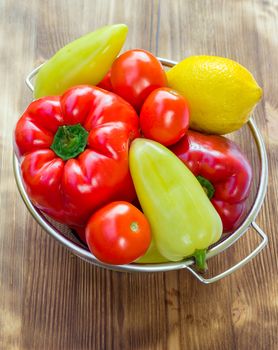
pixel 131 156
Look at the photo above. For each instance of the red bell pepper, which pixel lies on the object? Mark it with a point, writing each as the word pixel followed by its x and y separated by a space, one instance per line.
pixel 222 170
pixel 74 152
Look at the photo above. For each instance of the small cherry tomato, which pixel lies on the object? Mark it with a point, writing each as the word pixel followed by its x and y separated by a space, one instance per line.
pixel 164 116
pixel 135 74
pixel 118 233
pixel 106 82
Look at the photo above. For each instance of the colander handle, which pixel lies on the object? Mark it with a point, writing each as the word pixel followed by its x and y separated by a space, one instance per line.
pixel 239 264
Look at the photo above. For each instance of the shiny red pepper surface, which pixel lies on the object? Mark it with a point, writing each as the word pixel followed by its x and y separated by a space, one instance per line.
pixel 219 160
pixel 92 166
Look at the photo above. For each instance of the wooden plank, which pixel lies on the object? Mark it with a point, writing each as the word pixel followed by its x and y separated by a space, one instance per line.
pixel 53 300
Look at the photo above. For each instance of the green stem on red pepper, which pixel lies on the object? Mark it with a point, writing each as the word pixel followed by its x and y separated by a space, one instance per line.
pixel 207 186
pixel 69 141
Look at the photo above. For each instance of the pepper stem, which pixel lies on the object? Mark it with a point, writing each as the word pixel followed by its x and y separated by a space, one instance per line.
pixel 200 259
pixel 207 186
pixel 69 141
pixel 66 132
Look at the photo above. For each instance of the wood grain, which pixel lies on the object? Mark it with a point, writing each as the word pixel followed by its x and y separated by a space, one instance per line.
pixel 53 300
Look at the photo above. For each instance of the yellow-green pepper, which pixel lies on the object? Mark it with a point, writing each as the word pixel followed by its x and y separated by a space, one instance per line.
pixel 152 256
pixel 83 61
pixel 184 223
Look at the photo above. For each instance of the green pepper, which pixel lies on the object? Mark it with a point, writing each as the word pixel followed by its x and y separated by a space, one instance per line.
pixel 184 223
pixel 152 256
pixel 83 61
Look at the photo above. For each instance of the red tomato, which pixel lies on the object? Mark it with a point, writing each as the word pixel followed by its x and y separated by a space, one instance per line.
pixel 106 82
pixel 118 233
pixel 164 116
pixel 135 74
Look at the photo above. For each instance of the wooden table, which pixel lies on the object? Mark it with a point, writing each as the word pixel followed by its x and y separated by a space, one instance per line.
pixel 49 299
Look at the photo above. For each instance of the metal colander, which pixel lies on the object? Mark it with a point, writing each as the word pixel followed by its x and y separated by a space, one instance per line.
pixel 258 152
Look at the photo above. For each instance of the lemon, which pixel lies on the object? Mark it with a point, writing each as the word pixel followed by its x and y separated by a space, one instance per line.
pixel 221 93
